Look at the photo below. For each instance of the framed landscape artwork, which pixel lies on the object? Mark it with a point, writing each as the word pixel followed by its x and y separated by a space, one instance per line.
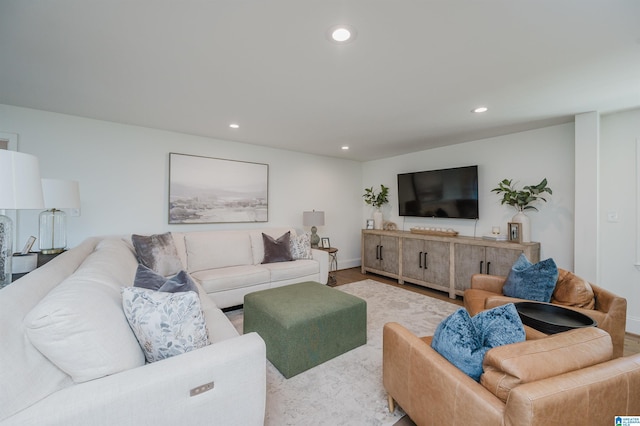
pixel 214 190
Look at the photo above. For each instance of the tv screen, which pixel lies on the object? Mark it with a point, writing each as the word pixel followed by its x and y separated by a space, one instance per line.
pixel 451 193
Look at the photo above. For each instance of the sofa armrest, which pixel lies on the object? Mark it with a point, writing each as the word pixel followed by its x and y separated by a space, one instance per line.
pixel 429 388
pixel 322 257
pixel 159 393
pixel 492 283
pixel 615 320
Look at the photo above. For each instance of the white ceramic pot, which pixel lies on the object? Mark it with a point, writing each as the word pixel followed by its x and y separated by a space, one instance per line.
pixel 377 219
pixel 525 225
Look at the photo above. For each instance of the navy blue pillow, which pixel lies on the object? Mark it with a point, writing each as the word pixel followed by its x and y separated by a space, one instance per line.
pixel 531 281
pixel 151 280
pixel 464 341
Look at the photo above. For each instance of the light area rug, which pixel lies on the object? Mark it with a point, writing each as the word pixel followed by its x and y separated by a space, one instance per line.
pixel 347 390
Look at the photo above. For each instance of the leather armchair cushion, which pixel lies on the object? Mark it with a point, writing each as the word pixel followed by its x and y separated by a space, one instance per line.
pixel 571 290
pixel 507 367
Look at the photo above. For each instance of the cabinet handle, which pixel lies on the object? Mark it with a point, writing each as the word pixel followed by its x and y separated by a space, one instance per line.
pixel 420 260
pixel 481 263
pixel 378 252
pixel 425 260
pixel 381 253
pixel 488 266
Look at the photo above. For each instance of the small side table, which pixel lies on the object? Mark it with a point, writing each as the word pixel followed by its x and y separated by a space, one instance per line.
pixel 333 264
pixel 42 259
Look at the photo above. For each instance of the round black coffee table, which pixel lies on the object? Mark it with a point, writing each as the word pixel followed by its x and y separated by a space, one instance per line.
pixel 551 319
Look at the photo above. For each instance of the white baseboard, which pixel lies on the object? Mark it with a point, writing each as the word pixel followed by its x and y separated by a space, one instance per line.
pixel 633 325
pixel 348 263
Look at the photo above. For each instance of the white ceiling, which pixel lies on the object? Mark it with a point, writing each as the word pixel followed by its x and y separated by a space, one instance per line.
pixel 407 83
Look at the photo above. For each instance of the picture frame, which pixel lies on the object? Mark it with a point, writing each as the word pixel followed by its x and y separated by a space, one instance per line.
pixel 514 230
pixel 324 243
pixel 370 224
pixel 216 190
pixel 28 245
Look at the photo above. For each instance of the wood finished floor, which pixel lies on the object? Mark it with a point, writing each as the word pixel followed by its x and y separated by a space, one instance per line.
pixel 346 276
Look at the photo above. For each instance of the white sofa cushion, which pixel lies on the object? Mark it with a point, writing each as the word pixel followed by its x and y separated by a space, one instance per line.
pixel 217 249
pixel 214 280
pixel 290 270
pixel 165 324
pixel 80 325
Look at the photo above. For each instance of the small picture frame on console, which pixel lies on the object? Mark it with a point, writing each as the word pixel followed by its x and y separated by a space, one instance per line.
pixel 370 224
pixel 515 232
pixel 324 243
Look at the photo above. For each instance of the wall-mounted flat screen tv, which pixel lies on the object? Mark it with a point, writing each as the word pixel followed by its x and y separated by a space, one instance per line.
pixel 450 193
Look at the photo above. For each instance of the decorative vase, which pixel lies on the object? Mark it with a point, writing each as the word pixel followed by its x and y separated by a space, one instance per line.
pixel 377 219
pixel 525 225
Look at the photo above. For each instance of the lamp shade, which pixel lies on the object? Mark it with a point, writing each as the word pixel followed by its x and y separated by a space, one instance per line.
pixel 61 194
pixel 313 218
pixel 20 186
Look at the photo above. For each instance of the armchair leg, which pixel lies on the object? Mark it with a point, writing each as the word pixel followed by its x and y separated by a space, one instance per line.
pixel 392 403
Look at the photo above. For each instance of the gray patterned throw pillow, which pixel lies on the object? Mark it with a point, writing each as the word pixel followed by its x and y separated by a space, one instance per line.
pixel 165 324
pixel 158 253
pixel 301 247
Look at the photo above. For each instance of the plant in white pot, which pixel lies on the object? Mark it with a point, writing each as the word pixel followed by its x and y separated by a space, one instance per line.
pixel 521 200
pixel 376 200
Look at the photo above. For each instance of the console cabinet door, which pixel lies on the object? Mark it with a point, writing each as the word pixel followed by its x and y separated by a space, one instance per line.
pixel 425 260
pixel 371 251
pixel 436 264
pixel 473 259
pixel 412 258
pixel 389 254
pixel 500 260
pixel 469 260
pixel 381 253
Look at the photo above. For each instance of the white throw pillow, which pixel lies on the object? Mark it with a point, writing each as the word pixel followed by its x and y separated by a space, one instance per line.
pixel 80 327
pixel 165 324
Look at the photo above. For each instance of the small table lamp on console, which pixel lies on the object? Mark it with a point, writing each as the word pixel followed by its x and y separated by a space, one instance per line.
pixel 313 219
pixel 20 188
pixel 58 194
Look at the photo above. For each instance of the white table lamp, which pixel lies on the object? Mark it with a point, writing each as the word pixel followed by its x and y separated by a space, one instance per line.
pixel 313 219
pixel 58 194
pixel 20 188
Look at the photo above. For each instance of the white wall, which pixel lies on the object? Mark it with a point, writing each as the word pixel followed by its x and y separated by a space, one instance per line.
pixel 619 193
pixel 123 175
pixel 123 171
pixel 525 157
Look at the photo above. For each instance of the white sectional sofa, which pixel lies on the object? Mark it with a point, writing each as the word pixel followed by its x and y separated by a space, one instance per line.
pixel 69 357
pixel 228 264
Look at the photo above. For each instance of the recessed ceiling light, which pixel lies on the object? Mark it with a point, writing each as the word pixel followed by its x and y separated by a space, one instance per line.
pixel 345 148
pixel 234 126
pixel 341 34
pixel 480 109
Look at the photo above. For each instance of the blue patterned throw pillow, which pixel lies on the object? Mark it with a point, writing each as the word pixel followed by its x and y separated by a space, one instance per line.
pixel 531 281
pixel 456 340
pixel 464 340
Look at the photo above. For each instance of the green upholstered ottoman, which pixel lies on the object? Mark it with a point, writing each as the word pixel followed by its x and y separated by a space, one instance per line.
pixel 305 324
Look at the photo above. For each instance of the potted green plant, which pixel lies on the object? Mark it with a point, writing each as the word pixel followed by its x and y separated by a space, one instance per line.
pixel 521 200
pixel 376 200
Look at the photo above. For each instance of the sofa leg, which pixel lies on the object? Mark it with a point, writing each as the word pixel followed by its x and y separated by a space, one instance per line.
pixel 392 403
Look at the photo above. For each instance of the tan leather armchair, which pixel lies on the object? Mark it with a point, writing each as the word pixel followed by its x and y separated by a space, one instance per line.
pixel 610 311
pixel 564 379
